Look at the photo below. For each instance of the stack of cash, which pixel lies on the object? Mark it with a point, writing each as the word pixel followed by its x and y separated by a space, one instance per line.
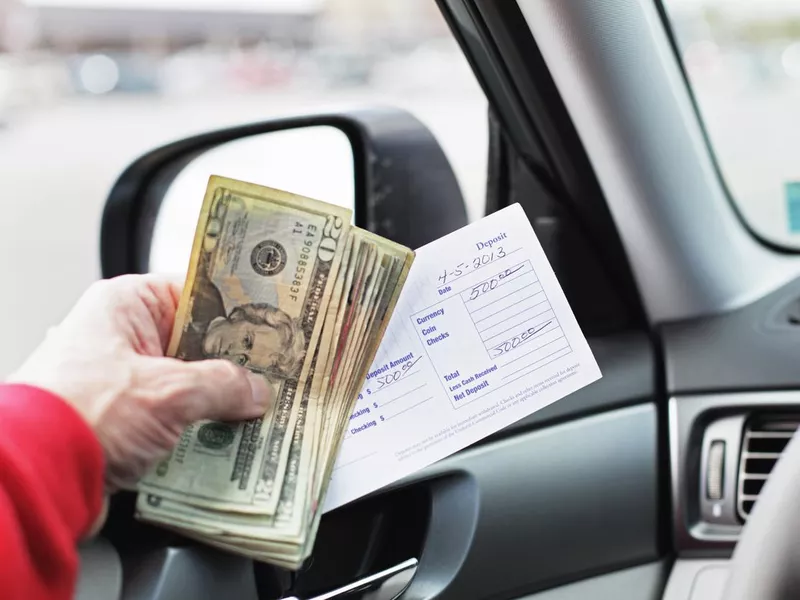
pixel 284 286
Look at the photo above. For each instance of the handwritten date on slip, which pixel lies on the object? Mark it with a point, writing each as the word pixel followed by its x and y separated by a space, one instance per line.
pixel 481 337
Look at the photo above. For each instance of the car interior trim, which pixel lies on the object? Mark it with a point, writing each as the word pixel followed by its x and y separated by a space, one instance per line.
pixel 642 582
pixel 526 527
pixel 538 160
pixel 697 579
pixel 748 349
pixel 690 417
pixel 100 571
pixel 632 109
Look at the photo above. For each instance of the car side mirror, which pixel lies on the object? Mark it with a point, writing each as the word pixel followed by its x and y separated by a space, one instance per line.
pixel 382 163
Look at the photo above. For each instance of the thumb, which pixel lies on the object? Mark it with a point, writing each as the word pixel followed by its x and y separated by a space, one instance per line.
pixel 222 391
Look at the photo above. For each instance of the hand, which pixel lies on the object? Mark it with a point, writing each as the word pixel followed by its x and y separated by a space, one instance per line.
pixel 107 360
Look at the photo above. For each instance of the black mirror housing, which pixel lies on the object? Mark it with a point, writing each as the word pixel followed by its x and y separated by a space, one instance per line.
pixel 405 188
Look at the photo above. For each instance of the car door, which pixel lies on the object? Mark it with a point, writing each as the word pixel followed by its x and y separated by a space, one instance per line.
pixel 574 501
pixel 682 110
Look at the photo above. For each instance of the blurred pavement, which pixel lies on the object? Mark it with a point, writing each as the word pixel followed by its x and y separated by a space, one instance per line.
pixel 58 164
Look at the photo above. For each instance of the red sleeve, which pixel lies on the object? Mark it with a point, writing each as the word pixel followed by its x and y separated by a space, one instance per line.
pixel 51 491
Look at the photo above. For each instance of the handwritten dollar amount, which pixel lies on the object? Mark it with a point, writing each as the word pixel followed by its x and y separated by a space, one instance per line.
pixel 388 379
pixel 490 284
pixel 476 263
pixel 520 338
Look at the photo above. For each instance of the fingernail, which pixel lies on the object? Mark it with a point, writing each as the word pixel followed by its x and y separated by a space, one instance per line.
pixel 262 394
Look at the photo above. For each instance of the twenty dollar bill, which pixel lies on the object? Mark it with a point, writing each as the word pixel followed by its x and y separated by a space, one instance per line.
pixel 284 286
pixel 259 283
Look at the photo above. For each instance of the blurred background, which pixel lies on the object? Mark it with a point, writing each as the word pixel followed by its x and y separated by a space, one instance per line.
pixel 88 85
pixel 742 58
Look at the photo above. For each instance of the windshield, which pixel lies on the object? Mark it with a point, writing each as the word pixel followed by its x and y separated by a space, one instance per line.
pixel 742 58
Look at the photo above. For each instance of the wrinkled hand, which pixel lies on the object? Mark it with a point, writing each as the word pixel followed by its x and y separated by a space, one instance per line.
pixel 107 360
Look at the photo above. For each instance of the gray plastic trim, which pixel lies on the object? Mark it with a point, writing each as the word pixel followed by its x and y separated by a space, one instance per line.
pixel 542 509
pixel 189 572
pixel 697 580
pixel 689 416
pixel 622 85
pixel 645 582
pixel 517 516
pixel 388 584
pixel 722 512
pixel 751 348
pixel 100 572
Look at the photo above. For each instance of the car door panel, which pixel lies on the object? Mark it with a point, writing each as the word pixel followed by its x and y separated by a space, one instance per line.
pixel 750 348
pixel 537 511
pixel 644 582
pixel 542 509
pixel 571 492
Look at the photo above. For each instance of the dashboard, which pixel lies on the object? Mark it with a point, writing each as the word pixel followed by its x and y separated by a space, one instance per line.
pixel 734 383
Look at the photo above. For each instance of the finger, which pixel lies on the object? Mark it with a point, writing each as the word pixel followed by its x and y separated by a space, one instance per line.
pixel 133 448
pixel 125 473
pixel 223 391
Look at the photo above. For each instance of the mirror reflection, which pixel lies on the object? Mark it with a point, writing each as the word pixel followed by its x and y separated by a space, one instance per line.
pixel 312 161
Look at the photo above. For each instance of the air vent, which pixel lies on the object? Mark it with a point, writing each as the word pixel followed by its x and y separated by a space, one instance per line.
pixel 764 441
